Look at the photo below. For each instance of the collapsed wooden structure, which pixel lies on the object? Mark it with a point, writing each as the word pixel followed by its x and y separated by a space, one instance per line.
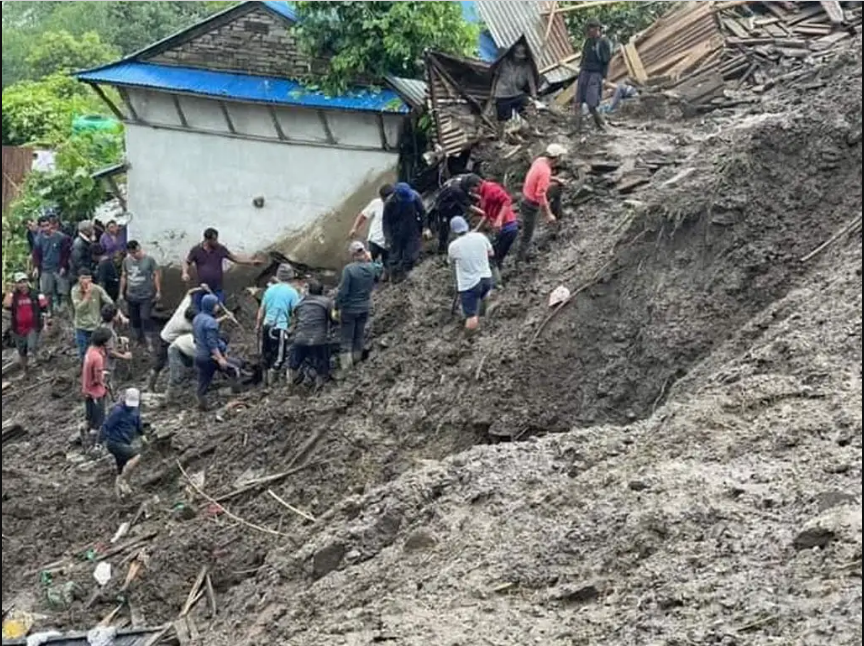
pixel 733 40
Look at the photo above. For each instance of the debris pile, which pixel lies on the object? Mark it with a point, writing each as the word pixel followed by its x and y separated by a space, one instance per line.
pixel 700 46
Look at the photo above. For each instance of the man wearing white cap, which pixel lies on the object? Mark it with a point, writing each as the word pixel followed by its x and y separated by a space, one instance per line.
pixel 28 311
pixel 354 302
pixel 470 256
pixel 122 427
pixel 274 320
pixel 535 195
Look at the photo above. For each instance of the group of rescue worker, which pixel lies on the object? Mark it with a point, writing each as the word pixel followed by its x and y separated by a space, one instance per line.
pixel 93 270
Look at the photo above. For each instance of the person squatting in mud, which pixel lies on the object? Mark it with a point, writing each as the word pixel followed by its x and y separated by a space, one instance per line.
pixel 121 429
pixel 457 197
pixel 211 350
pixel 313 318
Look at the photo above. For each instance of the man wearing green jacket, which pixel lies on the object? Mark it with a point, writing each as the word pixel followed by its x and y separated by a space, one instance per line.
pixel 88 299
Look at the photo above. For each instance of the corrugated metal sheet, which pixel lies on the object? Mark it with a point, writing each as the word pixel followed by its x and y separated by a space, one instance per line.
pixel 239 87
pixel 412 90
pixel 507 21
pixel 137 637
pixel 284 9
pixel 17 163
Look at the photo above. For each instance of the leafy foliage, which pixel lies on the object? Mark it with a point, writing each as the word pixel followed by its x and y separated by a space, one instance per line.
pixel 60 51
pixel 367 40
pixel 41 112
pixel 123 26
pixel 620 20
pixel 70 187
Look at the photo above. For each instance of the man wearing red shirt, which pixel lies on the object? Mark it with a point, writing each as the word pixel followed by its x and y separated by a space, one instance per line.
pixel 496 211
pixel 29 314
pixel 94 386
pixel 535 195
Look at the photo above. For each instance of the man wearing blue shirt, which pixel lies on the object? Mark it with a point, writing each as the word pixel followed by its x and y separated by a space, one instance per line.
pixel 209 348
pixel 121 428
pixel 274 319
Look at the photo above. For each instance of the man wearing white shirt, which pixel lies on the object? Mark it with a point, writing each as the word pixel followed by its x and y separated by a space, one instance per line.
pixel 374 215
pixel 470 254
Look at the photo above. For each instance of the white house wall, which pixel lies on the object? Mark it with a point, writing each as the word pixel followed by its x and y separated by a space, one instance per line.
pixel 181 181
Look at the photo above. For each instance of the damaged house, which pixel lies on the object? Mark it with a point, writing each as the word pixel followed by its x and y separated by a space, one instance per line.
pixel 217 134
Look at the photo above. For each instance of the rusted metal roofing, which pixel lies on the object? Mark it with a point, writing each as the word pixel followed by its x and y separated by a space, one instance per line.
pixel 507 21
pixel 17 163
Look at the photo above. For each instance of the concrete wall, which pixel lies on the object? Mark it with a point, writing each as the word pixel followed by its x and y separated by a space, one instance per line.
pixel 184 179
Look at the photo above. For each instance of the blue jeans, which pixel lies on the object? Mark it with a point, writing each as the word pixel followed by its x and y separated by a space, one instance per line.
pixel 199 296
pixel 82 342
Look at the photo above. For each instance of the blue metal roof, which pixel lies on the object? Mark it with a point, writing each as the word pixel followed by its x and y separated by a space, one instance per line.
pixel 239 87
pixel 487 47
pixel 284 9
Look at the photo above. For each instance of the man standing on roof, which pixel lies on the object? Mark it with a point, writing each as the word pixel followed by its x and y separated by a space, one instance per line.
pixel 496 212
pixel 274 319
pixel 536 195
pixel 456 197
pixel 596 55
pixel 404 228
pixel 515 83
pixel 373 214
pixel 208 258
pixel 469 255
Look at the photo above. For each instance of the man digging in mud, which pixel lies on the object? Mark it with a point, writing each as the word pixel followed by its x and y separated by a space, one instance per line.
pixel 456 197
pixel 496 211
pixel 313 317
pixel 373 214
pixel 404 221
pixel 119 432
pixel 178 325
pixel 211 350
pixel 541 193
pixel 274 321
pixel 596 54
pixel 469 254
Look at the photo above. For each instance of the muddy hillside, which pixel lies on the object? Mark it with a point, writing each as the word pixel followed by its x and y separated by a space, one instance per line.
pixel 671 458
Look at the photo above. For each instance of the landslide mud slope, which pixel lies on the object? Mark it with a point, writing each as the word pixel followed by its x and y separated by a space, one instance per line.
pixel 703 393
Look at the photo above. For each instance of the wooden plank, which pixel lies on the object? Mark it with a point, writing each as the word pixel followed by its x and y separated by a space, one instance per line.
pixel 834 11
pixel 735 27
pixel 632 54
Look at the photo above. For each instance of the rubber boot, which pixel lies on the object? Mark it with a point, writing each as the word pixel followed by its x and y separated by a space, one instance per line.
pixel 25 366
pixel 357 358
pixel 202 404
pixel 293 377
pixel 496 278
pixel 346 362
pixel 578 122
pixel 170 395
pixel 598 120
pixel 118 487
pixel 151 381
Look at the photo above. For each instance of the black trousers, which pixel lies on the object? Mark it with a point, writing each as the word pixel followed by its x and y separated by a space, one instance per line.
pixel 404 253
pixel 274 347
pixel 317 356
pixel 502 244
pixel 379 253
pixel 353 331
pixel 140 317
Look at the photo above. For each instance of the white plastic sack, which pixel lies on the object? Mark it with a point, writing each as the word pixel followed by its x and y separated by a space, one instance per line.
pixel 558 296
pixel 102 574
pixel 102 636
pixel 39 639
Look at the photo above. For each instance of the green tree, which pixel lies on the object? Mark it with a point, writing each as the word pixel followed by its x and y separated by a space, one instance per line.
pixel 61 52
pixel 367 40
pixel 41 112
pixel 620 20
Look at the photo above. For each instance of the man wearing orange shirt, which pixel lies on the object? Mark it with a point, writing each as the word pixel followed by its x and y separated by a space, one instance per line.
pixel 93 386
pixel 535 195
